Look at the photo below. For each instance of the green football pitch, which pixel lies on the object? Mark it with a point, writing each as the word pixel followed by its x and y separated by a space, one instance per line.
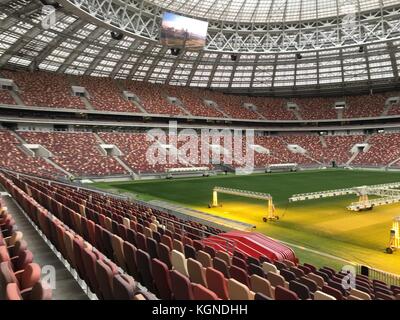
pixel 321 231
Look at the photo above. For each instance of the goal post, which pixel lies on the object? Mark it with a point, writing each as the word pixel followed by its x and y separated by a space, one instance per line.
pixel 248 194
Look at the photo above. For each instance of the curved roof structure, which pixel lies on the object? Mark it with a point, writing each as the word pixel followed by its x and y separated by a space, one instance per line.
pixel 265 53
pixel 267 11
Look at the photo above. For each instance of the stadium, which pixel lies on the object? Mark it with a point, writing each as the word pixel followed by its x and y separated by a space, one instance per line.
pixel 186 150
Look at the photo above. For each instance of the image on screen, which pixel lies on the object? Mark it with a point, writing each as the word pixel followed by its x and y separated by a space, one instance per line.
pixel 179 32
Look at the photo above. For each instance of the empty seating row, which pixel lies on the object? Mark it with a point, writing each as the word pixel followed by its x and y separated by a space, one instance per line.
pixel 19 275
pixel 100 273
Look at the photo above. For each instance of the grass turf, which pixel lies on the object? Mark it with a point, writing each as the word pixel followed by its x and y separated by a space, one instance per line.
pixel 323 225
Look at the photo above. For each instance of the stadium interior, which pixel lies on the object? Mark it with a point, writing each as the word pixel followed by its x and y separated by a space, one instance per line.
pixel 126 143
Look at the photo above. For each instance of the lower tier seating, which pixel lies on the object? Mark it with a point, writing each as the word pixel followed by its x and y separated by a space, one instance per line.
pixel 98 233
pixel 76 152
pixel 19 274
pixel 80 153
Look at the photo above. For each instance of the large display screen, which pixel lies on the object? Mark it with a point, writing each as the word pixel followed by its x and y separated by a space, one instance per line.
pixel 183 32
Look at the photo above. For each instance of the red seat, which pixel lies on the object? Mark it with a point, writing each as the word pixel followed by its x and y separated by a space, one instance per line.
pixel 240 275
pixel 130 258
pixel 105 274
pixel 181 287
pixel 202 293
pixel 282 293
pixel 143 262
pixel 124 287
pixel 216 282
pixel 162 279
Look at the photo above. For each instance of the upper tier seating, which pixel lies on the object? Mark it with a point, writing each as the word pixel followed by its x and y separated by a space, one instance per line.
pixel 153 97
pixel 45 89
pixel 14 158
pixel 105 95
pixel 6 98
pixel 53 90
pixel 193 101
pixel 316 108
pixel 231 105
pixel 365 106
pixel 78 153
pixel 271 108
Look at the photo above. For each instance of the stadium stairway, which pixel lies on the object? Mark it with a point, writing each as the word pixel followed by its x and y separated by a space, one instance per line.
pixel 216 107
pixel 297 114
pixel 181 106
pixel 48 160
pixel 135 103
pixel 66 287
pixel 16 98
pixel 117 158
pixel 260 114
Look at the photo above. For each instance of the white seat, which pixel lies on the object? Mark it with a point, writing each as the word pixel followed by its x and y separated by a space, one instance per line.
pixel 179 263
pixel 319 295
pixel 269 267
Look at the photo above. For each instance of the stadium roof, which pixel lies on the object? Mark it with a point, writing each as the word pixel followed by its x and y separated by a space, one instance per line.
pixel 80 43
pixel 266 11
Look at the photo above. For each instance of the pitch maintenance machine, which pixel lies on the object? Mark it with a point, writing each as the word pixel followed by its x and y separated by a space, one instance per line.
pixel 248 194
pixel 394 243
pixel 385 194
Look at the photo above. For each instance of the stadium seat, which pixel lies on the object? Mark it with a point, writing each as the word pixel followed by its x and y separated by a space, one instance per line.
pixel 143 262
pixel 300 289
pixel 224 256
pixel 202 293
pixel 105 273
pixel 276 280
pixel 124 287
pixel 162 279
pixel 164 254
pixel 319 295
pixel 261 285
pixel 216 282
pixel 282 293
pixel 152 247
pixel 310 284
pixel 222 266
pixel 317 279
pixel 255 269
pixel 240 275
pixel 333 292
pixel 360 294
pixel 179 263
pixel 269 267
pixel 196 272
pixel 190 251
pixel 204 258
pixel 181 287
pixel 261 296
pixel 130 258
pixel 288 275
pixel 239 291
